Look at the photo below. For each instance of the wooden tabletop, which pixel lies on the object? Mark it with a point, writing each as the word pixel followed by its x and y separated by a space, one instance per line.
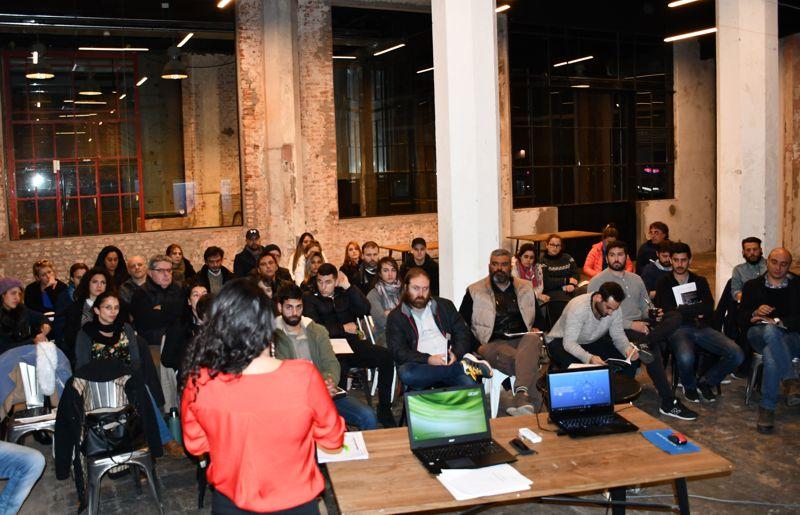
pixel 392 480
pixel 402 247
pixel 564 235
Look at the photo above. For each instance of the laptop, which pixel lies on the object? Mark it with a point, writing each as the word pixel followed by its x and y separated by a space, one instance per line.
pixel 448 428
pixel 581 402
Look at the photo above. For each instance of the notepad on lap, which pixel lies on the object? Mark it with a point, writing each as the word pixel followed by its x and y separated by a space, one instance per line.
pixel 340 346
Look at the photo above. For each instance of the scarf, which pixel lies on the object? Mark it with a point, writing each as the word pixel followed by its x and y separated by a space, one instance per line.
pixel 94 328
pixel 115 346
pixel 389 294
pixel 527 273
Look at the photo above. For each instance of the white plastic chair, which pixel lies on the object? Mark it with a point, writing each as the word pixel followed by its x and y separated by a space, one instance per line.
pixel 493 386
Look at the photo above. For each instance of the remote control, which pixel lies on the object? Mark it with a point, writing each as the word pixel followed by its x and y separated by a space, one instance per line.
pixel 529 435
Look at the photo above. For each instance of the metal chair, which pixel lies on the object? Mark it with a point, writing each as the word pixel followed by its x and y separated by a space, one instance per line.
pixel 17 428
pixel 753 380
pixel 493 386
pixel 367 326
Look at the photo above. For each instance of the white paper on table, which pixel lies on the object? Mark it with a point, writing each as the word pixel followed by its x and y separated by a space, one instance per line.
pixel 685 294
pixel 340 346
pixel 466 484
pixel 354 448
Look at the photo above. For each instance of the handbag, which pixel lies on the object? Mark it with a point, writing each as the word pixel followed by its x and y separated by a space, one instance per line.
pixel 113 432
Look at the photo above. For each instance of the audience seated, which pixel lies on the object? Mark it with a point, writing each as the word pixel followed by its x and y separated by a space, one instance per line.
pixel 754 265
pixel 770 313
pixel 299 337
pixel 384 296
pixel 352 260
pixel 245 261
pixel 42 294
pixel 314 261
pixel 306 245
pixel 591 330
pixel 265 274
pixel 524 267
pixel 22 467
pixel 94 282
pixel 596 258
pixel 418 257
pixel 66 298
pixel 336 305
pixel 108 337
pixel 657 269
pixel 234 408
pixel 198 301
pixel 182 270
pixel 696 311
pixel 429 340
pixel 559 276
pixel 367 272
pixel 111 259
pixel 659 233
pixel 501 312
pixel 283 273
pixel 650 334
pixel 213 274
pixel 18 324
pixel 137 268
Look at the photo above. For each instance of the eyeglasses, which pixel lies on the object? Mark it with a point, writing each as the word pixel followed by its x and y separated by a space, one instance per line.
pixel 162 270
pixel 556 245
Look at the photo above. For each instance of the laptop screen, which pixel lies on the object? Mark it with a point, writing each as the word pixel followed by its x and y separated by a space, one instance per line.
pixel 445 414
pixel 579 389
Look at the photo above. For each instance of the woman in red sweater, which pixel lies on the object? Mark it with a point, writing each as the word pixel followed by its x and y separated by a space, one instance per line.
pixel 596 258
pixel 258 417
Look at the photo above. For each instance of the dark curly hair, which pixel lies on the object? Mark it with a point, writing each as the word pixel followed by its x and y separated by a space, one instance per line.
pixel 82 291
pixel 237 328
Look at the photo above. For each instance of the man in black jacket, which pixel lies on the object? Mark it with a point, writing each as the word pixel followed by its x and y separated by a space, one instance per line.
pixel 336 305
pixel 213 274
pixel 367 272
pixel 245 261
pixel 419 258
pixel 429 340
pixel 770 313
pixel 696 307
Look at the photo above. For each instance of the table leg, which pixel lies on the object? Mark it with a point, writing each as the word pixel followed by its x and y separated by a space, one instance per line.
pixel 516 248
pixel 537 250
pixel 683 496
pixel 618 494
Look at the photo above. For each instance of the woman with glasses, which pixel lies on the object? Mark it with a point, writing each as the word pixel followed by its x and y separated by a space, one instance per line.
pixel 559 276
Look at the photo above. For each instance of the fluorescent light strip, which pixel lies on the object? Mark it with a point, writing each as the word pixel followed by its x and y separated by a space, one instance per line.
pixel 690 35
pixel 90 102
pixel 123 96
pixel 142 81
pixel 581 86
pixel 113 49
pixel 76 115
pixel 185 39
pixel 223 3
pixel 35 57
pixel 678 3
pixel 62 133
pixel 502 8
pixel 344 57
pixel 573 61
pixel 68 101
pixel 401 45
pixel 425 70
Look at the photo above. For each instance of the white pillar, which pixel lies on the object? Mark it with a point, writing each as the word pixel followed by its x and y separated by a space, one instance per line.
pixel 467 140
pixel 748 141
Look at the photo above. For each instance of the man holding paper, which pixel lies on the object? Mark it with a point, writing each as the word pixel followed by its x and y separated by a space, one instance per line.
pixel 501 310
pixel 688 294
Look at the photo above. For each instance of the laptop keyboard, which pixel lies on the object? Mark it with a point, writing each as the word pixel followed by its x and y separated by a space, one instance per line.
pixel 462 450
pixel 588 421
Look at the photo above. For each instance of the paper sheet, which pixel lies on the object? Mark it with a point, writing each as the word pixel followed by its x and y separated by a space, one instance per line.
pixel 340 346
pixel 354 448
pixel 685 294
pixel 466 484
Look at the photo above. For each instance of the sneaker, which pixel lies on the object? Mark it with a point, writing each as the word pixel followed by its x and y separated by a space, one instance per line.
pixel 522 405
pixel 792 392
pixel 766 421
pixel 706 393
pixel 645 355
pixel 476 368
pixel 690 395
pixel 678 410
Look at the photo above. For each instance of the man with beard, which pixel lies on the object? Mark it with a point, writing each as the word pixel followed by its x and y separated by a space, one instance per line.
pixel 696 308
pixel 500 310
pixel 659 233
pixel 754 265
pixel 650 333
pixel 213 275
pixel 590 330
pixel 367 272
pixel 429 340
pixel 657 269
pixel 245 261
pixel 336 305
pixel 299 337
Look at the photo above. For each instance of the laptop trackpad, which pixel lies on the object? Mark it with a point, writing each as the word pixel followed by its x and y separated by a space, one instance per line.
pixel 460 463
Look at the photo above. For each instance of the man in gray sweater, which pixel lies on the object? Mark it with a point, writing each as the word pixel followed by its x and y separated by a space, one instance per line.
pixel 650 333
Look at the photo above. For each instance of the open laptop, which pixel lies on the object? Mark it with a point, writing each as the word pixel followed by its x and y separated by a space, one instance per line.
pixel 581 402
pixel 448 428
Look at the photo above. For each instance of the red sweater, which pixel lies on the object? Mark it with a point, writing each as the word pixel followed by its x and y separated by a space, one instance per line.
pixel 260 431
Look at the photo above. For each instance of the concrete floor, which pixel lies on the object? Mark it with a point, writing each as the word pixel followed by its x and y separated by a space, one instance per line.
pixel 766 467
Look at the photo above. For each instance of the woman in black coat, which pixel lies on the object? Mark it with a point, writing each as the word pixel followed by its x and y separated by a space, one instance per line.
pixel 111 259
pixel 42 294
pixel 18 324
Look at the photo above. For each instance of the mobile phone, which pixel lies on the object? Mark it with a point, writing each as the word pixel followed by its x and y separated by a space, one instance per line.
pixel 521 448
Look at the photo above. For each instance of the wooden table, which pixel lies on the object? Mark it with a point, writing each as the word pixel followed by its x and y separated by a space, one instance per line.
pixel 392 480
pixel 406 248
pixel 537 239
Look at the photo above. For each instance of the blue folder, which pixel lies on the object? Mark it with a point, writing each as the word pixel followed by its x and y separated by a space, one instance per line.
pixel 658 437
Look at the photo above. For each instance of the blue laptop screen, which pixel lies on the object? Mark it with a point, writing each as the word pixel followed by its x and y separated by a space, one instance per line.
pixel 446 414
pixel 580 389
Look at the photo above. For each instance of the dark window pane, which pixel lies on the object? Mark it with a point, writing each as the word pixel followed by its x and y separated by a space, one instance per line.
pixel 130 213
pixel 111 214
pixel 87 179
pixel 48 224
pixel 89 216
pixel 43 141
pixel 108 178
pixel 70 219
pixel 69 180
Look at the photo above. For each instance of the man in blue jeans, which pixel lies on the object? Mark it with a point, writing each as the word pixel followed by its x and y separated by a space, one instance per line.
pixel 688 294
pixel 770 313
pixel 22 466
pixel 429 340
pixel 299 337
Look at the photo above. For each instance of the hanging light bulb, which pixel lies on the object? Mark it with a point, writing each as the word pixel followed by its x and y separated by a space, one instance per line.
pixel 174 69
pixel 90 87
pixel 40 69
